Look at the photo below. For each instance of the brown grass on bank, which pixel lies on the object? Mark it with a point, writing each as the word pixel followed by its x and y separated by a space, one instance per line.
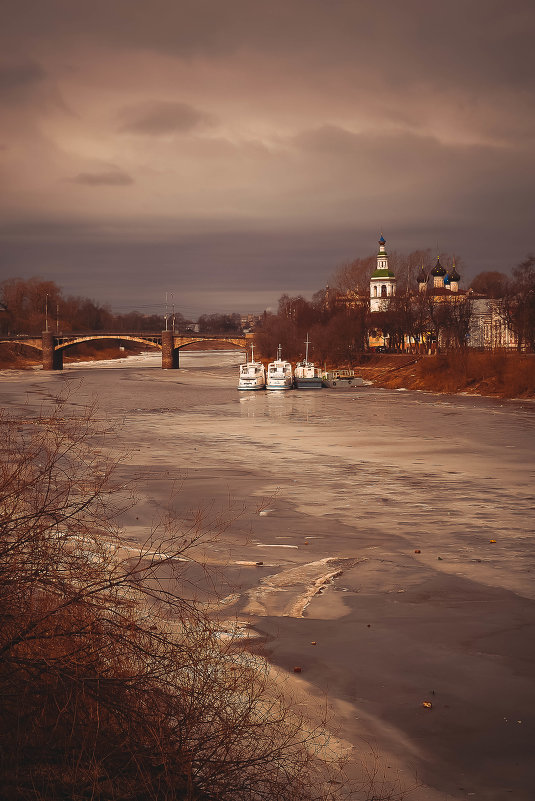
pixel 507 375
pixel 497 373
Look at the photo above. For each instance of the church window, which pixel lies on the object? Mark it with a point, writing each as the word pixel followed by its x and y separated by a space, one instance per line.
pixel 383 291
pixel 375 291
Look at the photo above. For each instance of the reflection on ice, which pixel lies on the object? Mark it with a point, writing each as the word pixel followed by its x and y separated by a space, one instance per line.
pixel 301 407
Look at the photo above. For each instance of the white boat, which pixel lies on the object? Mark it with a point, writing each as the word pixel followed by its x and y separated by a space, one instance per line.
pixel 252 374
pixel 345 378
pixel 306 375
pixel 279 373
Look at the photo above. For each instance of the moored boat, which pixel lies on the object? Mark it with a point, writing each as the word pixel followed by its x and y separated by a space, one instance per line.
pixel 307 375
pixel 252 374
pixel 343 378
pixel 279 373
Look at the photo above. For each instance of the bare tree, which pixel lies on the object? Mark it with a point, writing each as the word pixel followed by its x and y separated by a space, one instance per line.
pixel 457 319
pixel 26 302
pixel 355 276
pixel 341 338
pixel 517 306
pixel 491 283
pixel 398 320
pixel 436 313
pixel 114 685
pixel 406 268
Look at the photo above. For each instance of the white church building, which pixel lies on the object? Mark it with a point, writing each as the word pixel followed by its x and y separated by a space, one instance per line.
pixel 487 330
pixel 382 282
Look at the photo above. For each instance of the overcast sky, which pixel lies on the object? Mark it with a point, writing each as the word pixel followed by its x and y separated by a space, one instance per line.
pixel 228 151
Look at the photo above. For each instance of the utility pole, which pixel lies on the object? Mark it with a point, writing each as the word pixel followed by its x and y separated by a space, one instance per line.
pixel 46 312
pixel 173 306
pixel 57 318
pixel 166 311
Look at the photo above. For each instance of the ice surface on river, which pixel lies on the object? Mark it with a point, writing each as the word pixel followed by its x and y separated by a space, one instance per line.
pixel 404 534
pixel 440 474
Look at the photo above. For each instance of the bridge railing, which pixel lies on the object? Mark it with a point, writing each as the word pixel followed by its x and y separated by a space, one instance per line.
pixel 68 334
pixel 211 334
pixel 176 332
pixel 18 337
pixel 63 336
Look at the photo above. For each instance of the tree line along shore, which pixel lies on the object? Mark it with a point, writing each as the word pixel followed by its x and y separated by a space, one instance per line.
pixel 337 321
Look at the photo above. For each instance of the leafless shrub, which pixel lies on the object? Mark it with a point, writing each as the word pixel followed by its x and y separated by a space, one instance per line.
pixel 112 685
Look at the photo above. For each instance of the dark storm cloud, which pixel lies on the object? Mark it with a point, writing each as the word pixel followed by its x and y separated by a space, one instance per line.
pixel 262 144
pixel 159 118
pixel 478 41
pixel 16 79
pixel 444 182
pixel 107 178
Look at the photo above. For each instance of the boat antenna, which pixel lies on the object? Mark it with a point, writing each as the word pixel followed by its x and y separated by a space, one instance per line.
pixel 307 343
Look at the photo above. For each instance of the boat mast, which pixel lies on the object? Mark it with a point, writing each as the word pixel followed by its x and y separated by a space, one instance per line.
pixel 306 352
pixel 279 353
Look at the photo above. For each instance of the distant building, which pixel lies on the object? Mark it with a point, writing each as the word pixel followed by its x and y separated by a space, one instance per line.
pixel 382 281
pixel 488 329
pixel 248 322
pixel 441 281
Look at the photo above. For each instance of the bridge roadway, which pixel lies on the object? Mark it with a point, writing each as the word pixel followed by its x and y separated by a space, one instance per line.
pixel 52 345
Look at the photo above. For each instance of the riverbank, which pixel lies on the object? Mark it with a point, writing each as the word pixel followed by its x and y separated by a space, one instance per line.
pixel 496 374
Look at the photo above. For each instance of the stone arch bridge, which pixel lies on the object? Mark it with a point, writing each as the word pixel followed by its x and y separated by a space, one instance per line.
pixel 53 346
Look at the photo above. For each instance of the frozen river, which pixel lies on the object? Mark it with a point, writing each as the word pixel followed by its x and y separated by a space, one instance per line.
pixel 413 511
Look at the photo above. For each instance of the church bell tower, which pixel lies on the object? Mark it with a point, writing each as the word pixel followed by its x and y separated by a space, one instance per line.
pixel 382 282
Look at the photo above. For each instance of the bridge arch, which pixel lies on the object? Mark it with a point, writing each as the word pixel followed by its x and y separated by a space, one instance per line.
pixel 239 342
pixel 173 343
pixel 29 343
pixel 62 343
